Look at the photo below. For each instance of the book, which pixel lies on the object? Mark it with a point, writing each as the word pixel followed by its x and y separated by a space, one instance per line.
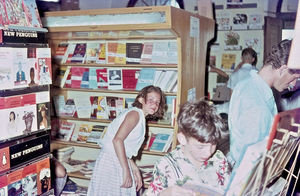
pixel 102 112
pixel 84 132
pixel 20 69
pixel 69 108
pixel 69 52
pixel 29 180
pixel 6 72
pixel 76 76
pixel 93 83
pixel 65 130
pixel 146 78
pixel 168 77
pixel 85 81
pixel 161 142
pixel 60 52
pixel 167 118
pixel 96 134
pixel 130 78
pixel 70 187
pixel 115 106
pixel 146 56
pixel 133 53
pixel 228 61
pixel 115 79
pixel 83 106
pixel 31 14
pixel 43 115
pixel 101 56
pixel 92 49
pixel 4 159
pixel 79 53
pixel 128 102
pixel 3 16
pixel 160 52
pixel 121 54
pixel 14 181
pixel 15 13
pixel 59 104
pixel 111 52
pixel 172 53
pixel 94 106
pixel 3 185
pixel 43 176
pixel 102 80
pixel 44 69
pixel 172 82
pixel 64 77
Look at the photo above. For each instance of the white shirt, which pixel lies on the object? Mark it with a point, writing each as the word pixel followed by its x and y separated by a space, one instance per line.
pixel 240 75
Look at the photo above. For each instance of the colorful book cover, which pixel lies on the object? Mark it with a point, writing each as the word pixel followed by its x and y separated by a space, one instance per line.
pixel 69 54
pixel 60 52
pixel 94 109
pixel 6 69
pixel 43 176
pixel 43 116
pixel 76 76
pixel 79 53
pixel 65 130
pixel 160 52
pixel 232 41
pixel 160 142
pixel 101 57
pixel 102 79
pixel 20 69
pixel 115 106
pixel 128 102
pixel 3 16
pixel 101 108
pixel 121 54
pixel 93 84
pixel 228 61
pixel 133 53
pixel 146 56
pixel 146 78
pixel 4 159
pixel 85 79
pixel 172 53
pixel 130 78
pixel 29 180
pixel 32 14
pixel 15 13
pixel 44 65
pixel 84 132
pixel 83 106
pixel 3 185
pixel 111 52
pixel 167 118
pixel 115 79
pixel 96 134
pixel 92 49
pixel 15 182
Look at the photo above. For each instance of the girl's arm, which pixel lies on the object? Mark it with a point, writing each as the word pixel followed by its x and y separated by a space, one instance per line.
pixel 130 121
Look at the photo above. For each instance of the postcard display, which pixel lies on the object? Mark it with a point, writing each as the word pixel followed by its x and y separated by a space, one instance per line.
pixel 240 24
pixel 25 78
pixel 104 57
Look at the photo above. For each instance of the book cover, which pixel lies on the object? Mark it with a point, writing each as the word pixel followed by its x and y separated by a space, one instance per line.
pixel 29 180
pixel 3 16
pixel 15 13
pixel 169 76
pixel 146 78
pixel 130 78
pixel 76 76
pixel 172 82
pixel 84 132
pixel 4 159
pixel 92 49
pixel 102 112
pixel 59 104
pixel 20 69
pixel 32 14
pixel 43 116
pixel 146 56
pixel 69 53
pixel 102 79
pixel 44 65
pixel 94 106
pixel 93 83
pixel 14 180
pixel 133 53
pixel 115 79
pixel 167 118
pixel 111 52
pixel 65 131
pixel 79 53
pixel 172 53
pixel 96 134
pixel 60 52
pixel 160 142
pixel 232 41
pixel 101 56
pixel 6 73
pixel 85 79
pixel 115 106
pixel 43 176
pixel 70 187
pixel 121 54
pixel 83 106
pixel 3 185
pixel 128 102
pixel 228 61
pixel 160 52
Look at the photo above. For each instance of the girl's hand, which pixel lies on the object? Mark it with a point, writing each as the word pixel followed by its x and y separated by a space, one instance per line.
pixel 136 174
pixel 127 180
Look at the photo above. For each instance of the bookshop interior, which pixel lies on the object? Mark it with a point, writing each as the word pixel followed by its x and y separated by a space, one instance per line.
pixel 149 97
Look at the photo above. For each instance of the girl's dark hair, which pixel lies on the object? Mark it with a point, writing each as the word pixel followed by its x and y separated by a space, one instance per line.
pixel 13 114
pixel 144 93
pixel 200 120
pixel 279 54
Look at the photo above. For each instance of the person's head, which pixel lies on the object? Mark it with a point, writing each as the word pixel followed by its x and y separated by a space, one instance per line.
pixel 276 63
pixel 12 116
pixel 152 101
pixel 249 56
pixel 200 128
pixel 32 74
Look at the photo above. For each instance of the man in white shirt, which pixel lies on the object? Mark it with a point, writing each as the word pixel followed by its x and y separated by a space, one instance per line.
pixel 252 105
pixel 249 59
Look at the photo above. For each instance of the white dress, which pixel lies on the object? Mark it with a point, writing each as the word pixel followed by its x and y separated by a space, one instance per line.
pixel 107 175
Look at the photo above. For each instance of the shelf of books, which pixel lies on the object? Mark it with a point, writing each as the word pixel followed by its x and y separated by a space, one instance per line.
pixel 25 77
pixel 102 58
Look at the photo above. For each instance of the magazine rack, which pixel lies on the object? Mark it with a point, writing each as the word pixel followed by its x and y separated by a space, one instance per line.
pixel 278 158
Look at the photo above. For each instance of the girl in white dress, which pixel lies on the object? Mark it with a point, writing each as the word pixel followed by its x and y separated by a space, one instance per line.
pixel 115 173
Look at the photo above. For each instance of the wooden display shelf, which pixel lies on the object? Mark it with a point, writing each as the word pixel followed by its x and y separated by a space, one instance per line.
pixel 165 66
pixel 79 175
pixel 71 143
pixel 109 121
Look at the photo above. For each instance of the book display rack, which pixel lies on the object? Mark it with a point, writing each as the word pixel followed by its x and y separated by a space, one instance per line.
pixel 104 57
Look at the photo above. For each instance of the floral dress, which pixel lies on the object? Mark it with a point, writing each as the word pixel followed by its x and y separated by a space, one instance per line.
pixel 175 169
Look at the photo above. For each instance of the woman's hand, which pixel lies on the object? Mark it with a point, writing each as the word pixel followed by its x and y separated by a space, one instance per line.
pixel 127 180
pixel 137 175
